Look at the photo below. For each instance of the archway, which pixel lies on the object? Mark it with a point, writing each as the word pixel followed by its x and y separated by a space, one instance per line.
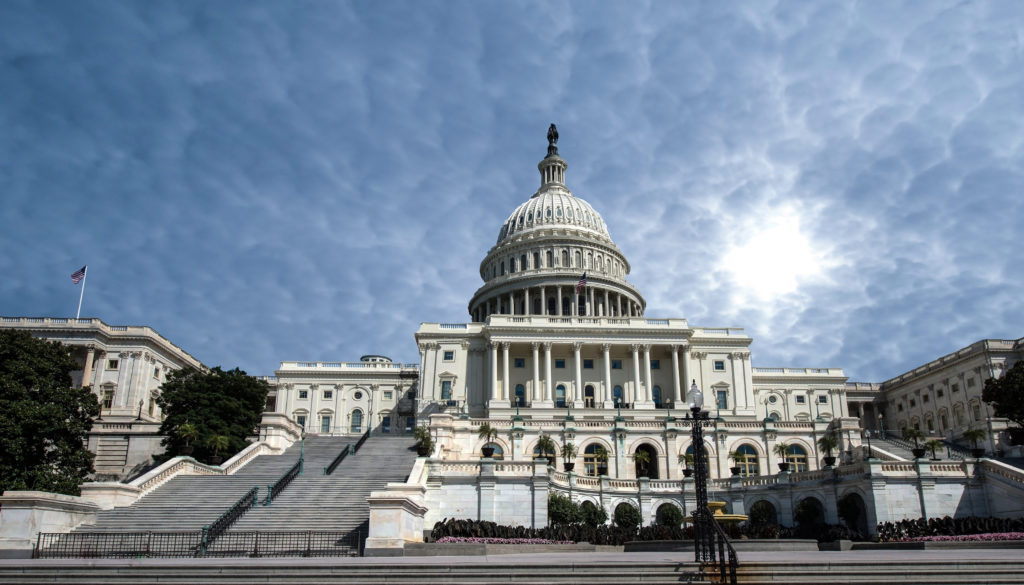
pixel 648 468
pixel 588 396
pixel 668 515
pixel 809 512
pixel 853 512
pixel 763 513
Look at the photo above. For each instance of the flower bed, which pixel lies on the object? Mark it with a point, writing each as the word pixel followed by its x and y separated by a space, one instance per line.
pixel 471 540
pixel 994 536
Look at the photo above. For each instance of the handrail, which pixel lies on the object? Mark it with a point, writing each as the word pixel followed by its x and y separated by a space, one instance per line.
pixel 361 440
pixel 706 553
pixel 278 486
pixel 960 451
pixel 341 457
pixel 215 529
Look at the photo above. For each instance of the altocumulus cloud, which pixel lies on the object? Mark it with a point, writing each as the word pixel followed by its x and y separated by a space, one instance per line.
pixel 261 181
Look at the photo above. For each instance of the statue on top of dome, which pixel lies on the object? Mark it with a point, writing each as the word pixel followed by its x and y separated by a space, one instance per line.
pixel 552 140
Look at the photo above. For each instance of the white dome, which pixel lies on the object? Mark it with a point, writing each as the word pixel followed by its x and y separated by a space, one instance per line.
pixel 553 208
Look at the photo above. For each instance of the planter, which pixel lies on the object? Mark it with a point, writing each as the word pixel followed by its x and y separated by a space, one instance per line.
pixel 735 470
pixel 569 466
pixel 830 461
pixel 186 450
pixel 918 452
pixel 687 472
pixel 216 460
pixel 487 451
pixel 602 471
pixel 422 450
pixel 784 466
pixel 977 453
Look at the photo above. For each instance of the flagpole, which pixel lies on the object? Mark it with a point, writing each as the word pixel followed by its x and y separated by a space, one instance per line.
pixel 81 293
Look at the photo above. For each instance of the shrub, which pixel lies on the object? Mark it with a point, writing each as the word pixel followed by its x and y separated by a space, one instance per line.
pixel 669 515
pixel 562 510
pixel 627 516
pixel 592 515
pixel 912 529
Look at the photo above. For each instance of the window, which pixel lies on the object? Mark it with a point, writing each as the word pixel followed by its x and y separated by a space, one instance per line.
pixel 503 268
pixel 747 460
pixel 655 364
pixel 498 453
pixel 388 394
pixel 156 373
pixel 617 395
pixel 565 254
pixel 797 459
pixel 801 399
pixel 113 364
pixel 303 394
pixel 656 395
pixel 410 422
pixel 449 356
pixel 939 393
pixel 588 364
pixel 977 411
pixel 773 399
pixel 719 365
pixel 520 395
pixel 301 419
pixel 899 407
pixel 970 382
pixel 328 394
pixel 723 399
pixel 536 259
pixel 108 398
pixel 925 399
pixel 357 421
pixel 385 424
pixel 358 396
pixel 446 389
pixel 616 364
pixel 511 265
pixel 913 403
pixel 560 363
pixel 325 423
pixel 931 427
pixel 588 397
pixel 823 399
pixel 520 362
pixel 595 460
pixel 560 396
pixel 955 388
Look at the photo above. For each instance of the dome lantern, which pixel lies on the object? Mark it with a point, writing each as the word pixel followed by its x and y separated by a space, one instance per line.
pixel 552 168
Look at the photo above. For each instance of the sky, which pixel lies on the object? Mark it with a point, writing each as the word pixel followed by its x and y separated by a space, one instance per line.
pixel 272 181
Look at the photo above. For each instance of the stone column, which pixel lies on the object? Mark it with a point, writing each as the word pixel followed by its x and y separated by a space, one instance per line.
pixel 511 303
pixel 605 396
pixel 558 302
pixel 494 372
pixel 504 371
pixel 637 392
pixel 90 355
pixel 548 382
pixel 526 301
pixel 607 307
pixel 575 396
pixel 676 390
pixel 648 400
pixel 537 396
pixel 543 302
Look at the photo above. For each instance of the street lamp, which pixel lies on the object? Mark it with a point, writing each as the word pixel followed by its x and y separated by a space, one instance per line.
pixel 702 532
pixel 867 433
pixel 881 425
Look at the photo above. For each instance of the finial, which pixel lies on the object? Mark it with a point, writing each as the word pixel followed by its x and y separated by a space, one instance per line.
pixel 552 140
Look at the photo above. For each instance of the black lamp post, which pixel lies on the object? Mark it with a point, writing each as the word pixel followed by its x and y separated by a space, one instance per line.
pixel 867 433
pixel 703 537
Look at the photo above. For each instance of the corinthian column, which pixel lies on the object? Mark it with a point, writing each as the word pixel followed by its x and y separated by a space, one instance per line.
pixel 536 372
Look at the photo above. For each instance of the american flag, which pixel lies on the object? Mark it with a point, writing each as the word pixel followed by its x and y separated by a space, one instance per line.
pixel 78 275
pixel 582 283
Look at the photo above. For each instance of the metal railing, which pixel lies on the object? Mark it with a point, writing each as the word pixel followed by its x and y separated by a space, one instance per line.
pixel 213 530
pixel 361 440
pixel 278 486
pixel 133 545
pixel 715 550
pixel 341 457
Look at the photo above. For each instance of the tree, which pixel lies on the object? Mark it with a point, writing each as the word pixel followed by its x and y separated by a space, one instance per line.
pixel 642 459
pixel 913 434
pixel 828 443
pixel 217 402
pixel 487 433
pixel 562 510
pixel 43 419
pixel 546 448
pixel 973 436
pixel 1006 395
pixel 933 445
pixel 627 516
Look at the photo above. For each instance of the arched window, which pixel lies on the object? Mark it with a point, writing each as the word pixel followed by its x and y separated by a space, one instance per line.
pixel 560 396
pixel 511 265
pixel 522 263
pixel 689 451
pixel 357 421
pixel 588 397
pixel 747 460
pixel 595 460
pixel 565 257
pixel 579 259
pixel 550 259
pixel 520 395
pixel 537 454
pixel 536 260
pixel 617 396
pixel 566 306
pixel 797 458
pixel 503 268
pixel 552 306
pixel 656 395
pixel 590 260
pixel 498 453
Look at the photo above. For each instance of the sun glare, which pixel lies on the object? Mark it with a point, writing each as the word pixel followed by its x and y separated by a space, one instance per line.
pixel 775 258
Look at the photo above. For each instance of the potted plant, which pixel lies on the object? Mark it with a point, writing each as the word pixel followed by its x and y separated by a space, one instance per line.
pixel 782 450
pixel 546 448
pixel 828 443
pixel 424 444
pixel 933 445
pixel 601 455
pixel 569 453
pixel 686 460
pixel 188 433
pixel 487 433
pixel 642 460
pixel 974 435
pixel 736 457
pixel 915 435
pixel 217 443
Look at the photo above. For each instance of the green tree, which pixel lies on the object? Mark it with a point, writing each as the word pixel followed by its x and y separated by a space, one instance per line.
pixel 43 419
pixel 828 443
pixel 627 516
pixel 593 515
pixel 227 403
pixel 562 510
pixel 642 459
pixel 1006 395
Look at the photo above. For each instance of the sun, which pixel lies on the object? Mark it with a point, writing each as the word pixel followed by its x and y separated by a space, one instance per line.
pixel 775 258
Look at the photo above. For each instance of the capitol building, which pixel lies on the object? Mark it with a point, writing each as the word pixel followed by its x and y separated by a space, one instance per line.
pixel 558 348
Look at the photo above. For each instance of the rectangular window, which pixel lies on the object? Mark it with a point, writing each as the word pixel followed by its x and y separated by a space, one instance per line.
pixel 156 373
pixel 560 363
pixel 899 407
pixel 301 419
pixel 616 364
pixel 970 382
pixel 108 398
pixel 977 412
pixel 925 399
pixel 913 403
pixel 113 364
pixel 823 399
pixel 939 393
pixel 388 394
pixel 655 364
pixel 723 400
pixel 955 388
pixel 385 424
pixel 328 394
pixel 325 424
pixel 446 390
pixel 449 356
pixel 588 364
pixel 520 362
pixel 719 365
pixel 303 394
pixel 801 399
